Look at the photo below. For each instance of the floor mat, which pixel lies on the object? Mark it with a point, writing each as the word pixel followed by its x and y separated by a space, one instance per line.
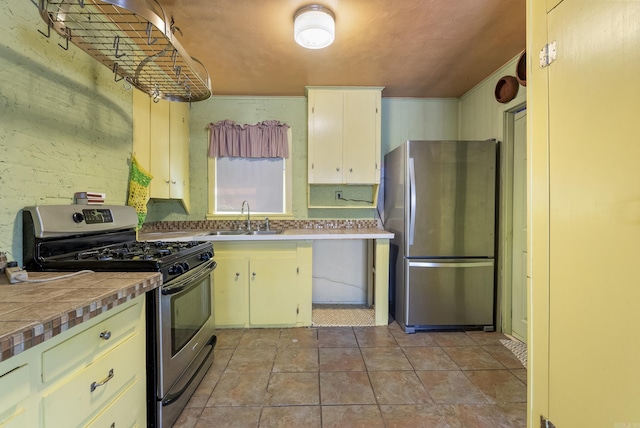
pixel 518 348
pixel 342 315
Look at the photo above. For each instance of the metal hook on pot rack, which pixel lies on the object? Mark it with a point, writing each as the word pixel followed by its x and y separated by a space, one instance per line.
pixel 116 46
pixel 40 5
pixel 148 31
pixel 176 69
pixel 155 95
pixel 115 73
pixel 67 37
pixel 48 34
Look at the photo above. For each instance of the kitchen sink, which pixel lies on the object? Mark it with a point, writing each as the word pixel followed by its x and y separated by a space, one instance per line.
pixel 245 232
pixel 266 232
pixel 228 232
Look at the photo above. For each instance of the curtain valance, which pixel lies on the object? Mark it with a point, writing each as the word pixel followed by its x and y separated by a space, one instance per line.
pixel 267 139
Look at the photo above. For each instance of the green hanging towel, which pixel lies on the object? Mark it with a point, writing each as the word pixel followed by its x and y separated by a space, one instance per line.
pixel 139 180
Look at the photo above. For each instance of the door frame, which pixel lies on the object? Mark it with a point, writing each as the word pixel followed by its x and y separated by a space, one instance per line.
pixel 506 216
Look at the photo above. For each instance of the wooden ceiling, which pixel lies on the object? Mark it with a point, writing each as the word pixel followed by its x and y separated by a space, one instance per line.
pixel 414 48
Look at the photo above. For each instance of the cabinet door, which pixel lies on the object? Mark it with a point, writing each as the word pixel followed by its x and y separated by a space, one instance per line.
pixel 362 137
pixel 230 284
pixel 326 115
pixel 15 387
pixel 141 128
pixel 272 290
pixel 159 152
pixel 179 149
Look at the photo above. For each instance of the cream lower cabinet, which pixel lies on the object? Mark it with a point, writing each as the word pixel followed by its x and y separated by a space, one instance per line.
pixel 15 379
pixel 91 375
pixel 230 286
pixel 262 284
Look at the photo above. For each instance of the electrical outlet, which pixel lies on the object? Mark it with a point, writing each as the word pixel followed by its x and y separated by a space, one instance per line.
pixel 338 195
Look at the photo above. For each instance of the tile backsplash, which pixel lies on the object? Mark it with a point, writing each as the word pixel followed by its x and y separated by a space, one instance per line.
pixel 273 224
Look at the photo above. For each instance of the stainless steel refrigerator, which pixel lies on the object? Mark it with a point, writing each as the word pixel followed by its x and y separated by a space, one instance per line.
pixel 440 202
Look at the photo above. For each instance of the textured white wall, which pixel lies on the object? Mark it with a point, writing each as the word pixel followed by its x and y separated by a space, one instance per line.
pixel 481 116
pixel 340 271
pixel 65 125
pixel 418 119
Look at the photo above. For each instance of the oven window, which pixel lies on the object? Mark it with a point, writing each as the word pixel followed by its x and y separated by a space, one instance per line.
pixel 190 311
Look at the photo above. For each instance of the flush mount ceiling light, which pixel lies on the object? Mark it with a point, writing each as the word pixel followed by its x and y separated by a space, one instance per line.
pixel 314 27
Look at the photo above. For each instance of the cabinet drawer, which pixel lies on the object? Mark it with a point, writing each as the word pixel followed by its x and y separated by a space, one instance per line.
pixel 127 410
pixel 73 401
pixel 80 350
pixel 14 387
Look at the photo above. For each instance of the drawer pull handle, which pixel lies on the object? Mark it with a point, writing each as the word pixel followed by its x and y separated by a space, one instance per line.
pixel 253 274
pixel 106 335
pixel 237 274
pixel 94 385
pixel 113 425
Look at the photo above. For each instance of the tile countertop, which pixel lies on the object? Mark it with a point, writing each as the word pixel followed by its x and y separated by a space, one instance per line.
pixel 287 235
pixel 31 313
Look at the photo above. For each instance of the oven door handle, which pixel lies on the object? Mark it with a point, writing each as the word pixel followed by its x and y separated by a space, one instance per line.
pixel 188 280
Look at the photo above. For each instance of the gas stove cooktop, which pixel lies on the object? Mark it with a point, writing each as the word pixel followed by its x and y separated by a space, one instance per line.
pixel 135 250
pixel 170 258
pixel 74 237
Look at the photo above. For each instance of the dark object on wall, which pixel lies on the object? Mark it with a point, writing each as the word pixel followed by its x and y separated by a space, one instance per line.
pixel 521 69
pixel 506 89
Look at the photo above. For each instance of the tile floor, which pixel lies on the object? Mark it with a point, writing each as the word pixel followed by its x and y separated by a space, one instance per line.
pixel 359 377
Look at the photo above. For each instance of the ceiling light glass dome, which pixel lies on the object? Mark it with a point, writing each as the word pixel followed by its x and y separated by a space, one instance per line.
pixel 314 27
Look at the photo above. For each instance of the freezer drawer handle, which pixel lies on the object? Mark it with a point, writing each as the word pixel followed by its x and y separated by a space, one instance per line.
pixel 454 265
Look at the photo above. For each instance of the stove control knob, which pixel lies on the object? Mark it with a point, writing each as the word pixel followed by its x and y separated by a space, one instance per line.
pixel 77 217
pixel 185 266
pixel 176 269
pixel 206 256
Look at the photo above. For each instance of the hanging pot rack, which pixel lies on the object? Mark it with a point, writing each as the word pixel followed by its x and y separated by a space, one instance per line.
pixel 135 40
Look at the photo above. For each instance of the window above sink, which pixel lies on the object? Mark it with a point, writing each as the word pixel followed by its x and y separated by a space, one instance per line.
pixel 266 183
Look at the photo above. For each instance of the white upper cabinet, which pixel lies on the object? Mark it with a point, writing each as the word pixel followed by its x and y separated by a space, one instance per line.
pixel 161 145
pixel 344 135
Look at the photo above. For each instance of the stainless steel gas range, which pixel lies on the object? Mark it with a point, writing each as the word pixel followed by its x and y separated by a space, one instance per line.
pixel 180 333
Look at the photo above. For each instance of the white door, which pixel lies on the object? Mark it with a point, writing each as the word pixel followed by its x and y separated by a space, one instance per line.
pixel 594 214
pixel 519 246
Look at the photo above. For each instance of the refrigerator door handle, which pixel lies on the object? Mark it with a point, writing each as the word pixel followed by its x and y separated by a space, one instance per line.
pixel 412 201
pixel 451 264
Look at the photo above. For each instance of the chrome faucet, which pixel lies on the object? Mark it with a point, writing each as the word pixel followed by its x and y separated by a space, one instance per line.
pixel 248 213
